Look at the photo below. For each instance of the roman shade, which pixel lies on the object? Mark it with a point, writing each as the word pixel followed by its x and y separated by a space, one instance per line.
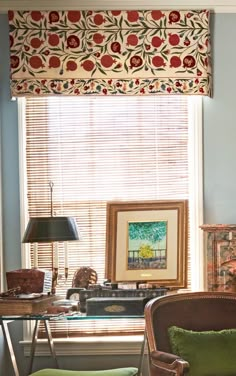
pixel 110 52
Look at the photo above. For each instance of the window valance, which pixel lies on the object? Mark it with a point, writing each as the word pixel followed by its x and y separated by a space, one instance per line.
pixel 110 52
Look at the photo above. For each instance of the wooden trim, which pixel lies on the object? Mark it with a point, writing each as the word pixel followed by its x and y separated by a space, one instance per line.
pixel 217 6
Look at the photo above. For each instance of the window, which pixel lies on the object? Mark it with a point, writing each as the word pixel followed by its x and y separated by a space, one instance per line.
pixel 99 149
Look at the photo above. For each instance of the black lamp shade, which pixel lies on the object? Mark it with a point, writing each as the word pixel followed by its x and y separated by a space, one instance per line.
pixel 50 229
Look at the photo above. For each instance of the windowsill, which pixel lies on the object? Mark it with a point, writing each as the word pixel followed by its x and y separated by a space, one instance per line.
pixel 116 345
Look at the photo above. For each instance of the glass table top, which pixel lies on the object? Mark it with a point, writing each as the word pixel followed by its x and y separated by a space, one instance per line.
pixel 67 316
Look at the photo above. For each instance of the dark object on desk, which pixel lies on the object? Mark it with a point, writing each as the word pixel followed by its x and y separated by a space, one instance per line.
pixel 84 276
pixel 119 293
pixel 30 280
pixel 115 306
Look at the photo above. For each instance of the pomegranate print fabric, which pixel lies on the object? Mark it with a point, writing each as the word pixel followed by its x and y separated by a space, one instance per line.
pixel 110 52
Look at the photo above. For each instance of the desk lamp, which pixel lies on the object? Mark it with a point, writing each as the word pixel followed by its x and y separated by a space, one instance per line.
pixel 51 229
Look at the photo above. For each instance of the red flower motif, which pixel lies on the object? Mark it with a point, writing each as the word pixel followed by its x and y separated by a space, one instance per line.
pixel 199 73
pixel 71 65
pixel 188 15
pixel 46 53
pixel 157 15
pixel 54 62
pixel 97 54
pixel 201 90
pixel 36 62
pixel 73 41
pixel 11 40
pixel 53 39
pixel 26 48
pixel 98 19
pixel 72 82
pixel 132 40
pixel 174 16
pixel 174 39
pixel 115 47
pixel 88 65
pixel 89 13
pixel 175 62
pixel 53 17
pixel 157 42
pixel 178 84
pixel 186 42
pixel 104 91
pixel 107 61
pixel 189 61
pixel 19 87
pixel 36 16
pixel 147 46
pixel 137 82
pixel 169 90
pixel 158 61
pixel 76 91
pixel 109 82
pixel 197 81
pixel 36 42
pixel 115 12
pixel 132 16
pixel 10 15
pixel 142 91
pixel 74 16
pixel 37 90
pixel 43 82
pixel 98 38
pixel 136 61
pixel 15 61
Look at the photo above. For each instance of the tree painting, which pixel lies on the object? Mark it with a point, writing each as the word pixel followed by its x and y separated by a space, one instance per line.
pixel 147 245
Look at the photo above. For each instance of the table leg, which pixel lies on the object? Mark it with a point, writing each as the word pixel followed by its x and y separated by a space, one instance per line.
pixel 7 338
pixel 50 342
pixel 33 345
pixel 35 340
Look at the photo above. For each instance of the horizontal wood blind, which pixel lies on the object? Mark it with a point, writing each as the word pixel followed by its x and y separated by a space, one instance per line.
pixel 99 149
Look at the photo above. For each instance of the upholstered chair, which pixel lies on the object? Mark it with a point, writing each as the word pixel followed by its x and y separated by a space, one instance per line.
pixel 128 371
pixel 192 334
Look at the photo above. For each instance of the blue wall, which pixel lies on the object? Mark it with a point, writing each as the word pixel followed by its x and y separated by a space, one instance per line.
pixel 9 159
pixel 219 135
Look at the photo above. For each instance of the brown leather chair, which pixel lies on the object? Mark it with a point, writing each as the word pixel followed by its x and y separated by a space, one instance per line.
pixel 197 311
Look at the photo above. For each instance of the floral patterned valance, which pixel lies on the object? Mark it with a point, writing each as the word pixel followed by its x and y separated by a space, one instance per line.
pixel 110 52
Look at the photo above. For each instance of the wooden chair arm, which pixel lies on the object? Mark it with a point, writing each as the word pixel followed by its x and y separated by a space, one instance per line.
pixel 162 363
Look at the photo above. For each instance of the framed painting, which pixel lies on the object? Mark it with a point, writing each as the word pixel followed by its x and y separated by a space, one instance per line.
pixel 147 242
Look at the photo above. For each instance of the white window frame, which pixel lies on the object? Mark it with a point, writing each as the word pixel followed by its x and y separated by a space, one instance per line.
pixel 131 344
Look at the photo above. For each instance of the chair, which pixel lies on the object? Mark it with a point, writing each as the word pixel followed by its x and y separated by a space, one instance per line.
pixel 128 371
pixel 198 316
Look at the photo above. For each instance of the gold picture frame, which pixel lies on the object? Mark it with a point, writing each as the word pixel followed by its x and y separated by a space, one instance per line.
pixel 147 242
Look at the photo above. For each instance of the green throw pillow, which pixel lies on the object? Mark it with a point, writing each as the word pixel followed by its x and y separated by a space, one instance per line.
pixel 129 371
pixel 208 353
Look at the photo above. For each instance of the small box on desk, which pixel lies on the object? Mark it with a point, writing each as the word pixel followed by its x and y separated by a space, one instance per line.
pixel 84 294
pixel 115 306
pixel 30 280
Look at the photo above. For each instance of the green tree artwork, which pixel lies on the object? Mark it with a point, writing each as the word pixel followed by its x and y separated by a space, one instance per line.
pixel 147 245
